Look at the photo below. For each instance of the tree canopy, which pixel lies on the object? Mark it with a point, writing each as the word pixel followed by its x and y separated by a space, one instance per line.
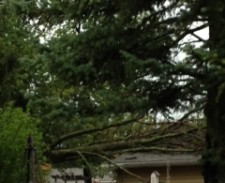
pixel 118 60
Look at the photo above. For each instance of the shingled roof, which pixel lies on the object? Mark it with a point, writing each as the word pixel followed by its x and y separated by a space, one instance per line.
pixel 156 160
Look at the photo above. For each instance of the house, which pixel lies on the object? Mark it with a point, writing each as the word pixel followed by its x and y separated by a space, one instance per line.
pixel 67 175
pixel 170 160
pixel 162 168
pixel 75 175
pixel 173 156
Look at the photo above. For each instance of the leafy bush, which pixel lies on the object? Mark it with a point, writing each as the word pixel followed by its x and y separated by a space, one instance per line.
pixel 15 127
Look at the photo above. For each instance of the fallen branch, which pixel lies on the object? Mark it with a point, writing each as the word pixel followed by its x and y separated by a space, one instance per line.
pixel 88 131
pixel 113 147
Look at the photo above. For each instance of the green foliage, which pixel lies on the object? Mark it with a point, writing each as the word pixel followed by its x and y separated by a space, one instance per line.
pixel 102 59
pixel 102 62
pixel 17 43
pixel 15 127
pixel 94 53
pixel 98 62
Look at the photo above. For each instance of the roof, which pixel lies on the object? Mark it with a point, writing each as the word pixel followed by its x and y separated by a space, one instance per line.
pixel 151 159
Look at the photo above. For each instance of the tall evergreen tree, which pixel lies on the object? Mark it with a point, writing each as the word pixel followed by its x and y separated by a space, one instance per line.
pixel 128 48
pixel 120 56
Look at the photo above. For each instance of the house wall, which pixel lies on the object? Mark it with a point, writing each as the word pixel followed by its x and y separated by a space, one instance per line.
pixel 177 174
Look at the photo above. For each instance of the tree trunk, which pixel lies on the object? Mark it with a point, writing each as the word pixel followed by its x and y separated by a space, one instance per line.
pixel 214 155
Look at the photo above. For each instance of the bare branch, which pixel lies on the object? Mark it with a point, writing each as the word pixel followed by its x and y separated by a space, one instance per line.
pixel 114 164
pixel 84 159
pixel 189 31
pixel 185 116
pixel 198 37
